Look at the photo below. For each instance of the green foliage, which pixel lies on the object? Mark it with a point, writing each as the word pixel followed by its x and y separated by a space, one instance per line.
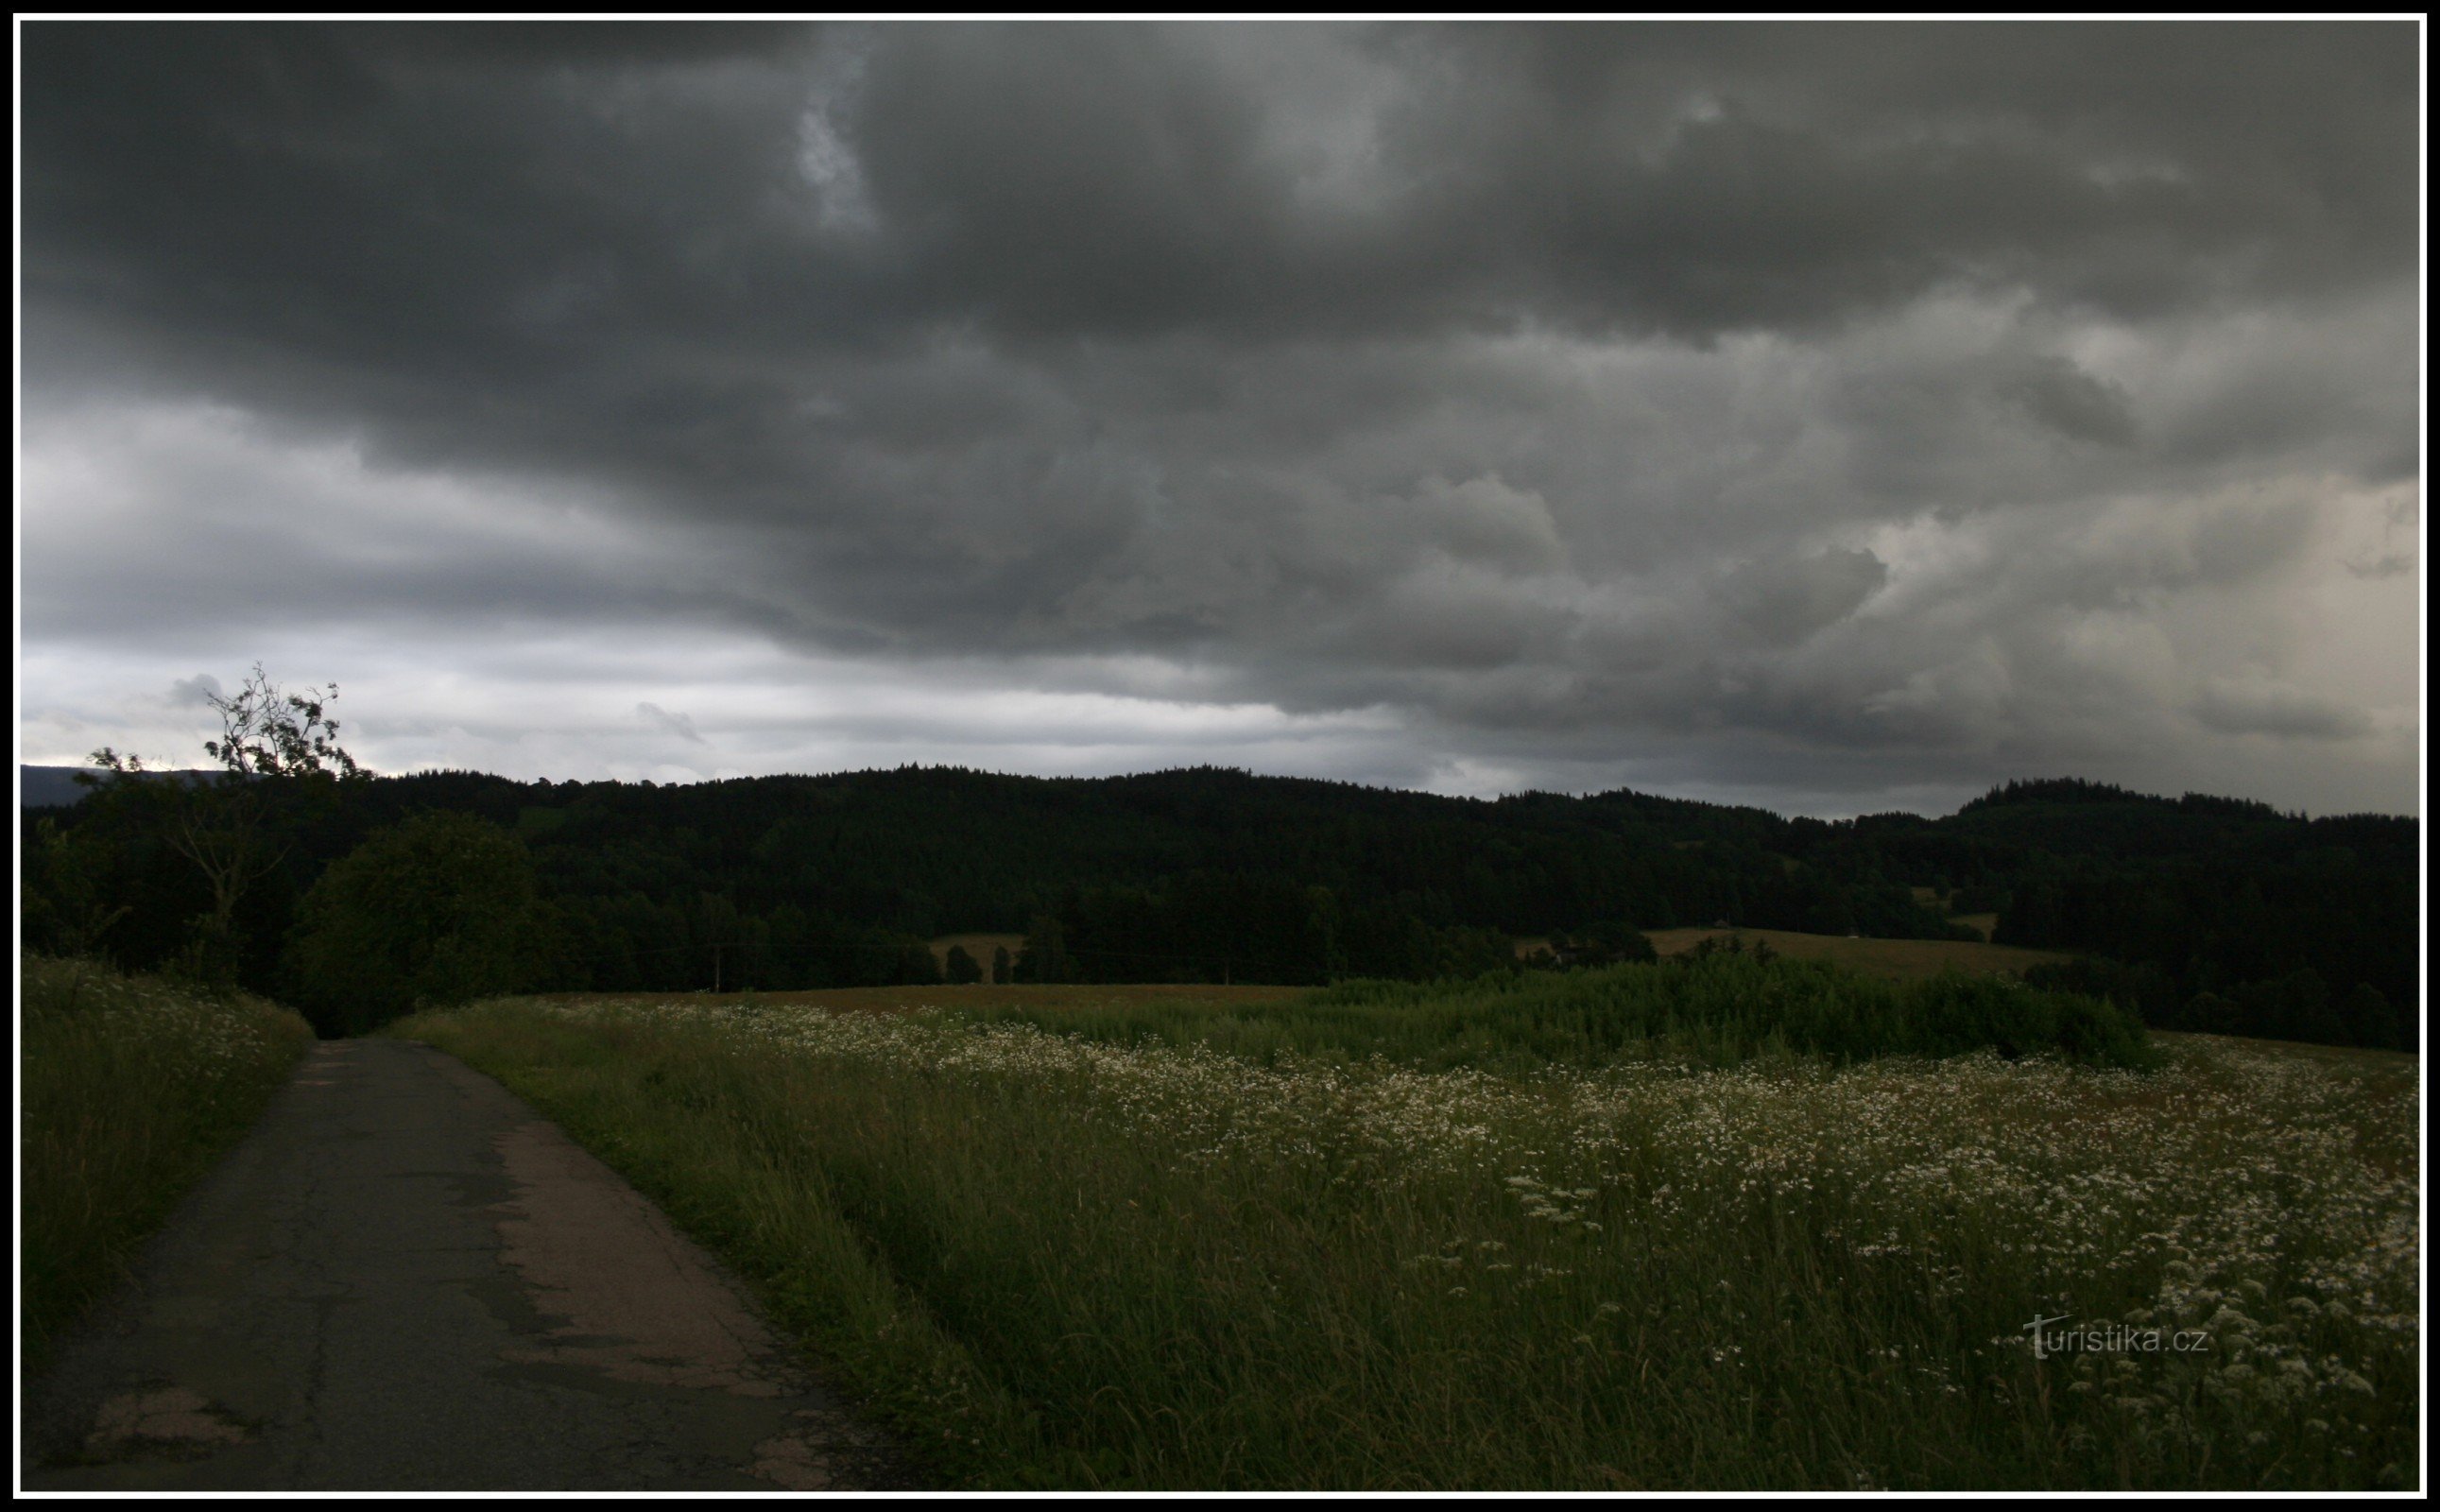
pixel 265 732
pixel 1719 1008
pixel 130 1087
pixel 961 967
pixel 2372 1021
pixel 2299 1005
pixel 1045 957
pixel 273 746
pixel 432 913
pixel 67 912
pixel 1605 943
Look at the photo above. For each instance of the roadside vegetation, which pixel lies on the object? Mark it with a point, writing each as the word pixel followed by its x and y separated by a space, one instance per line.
pixel 1479 1236
pixel 130 1089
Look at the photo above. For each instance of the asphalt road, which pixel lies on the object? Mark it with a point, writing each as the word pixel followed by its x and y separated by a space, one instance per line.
pixel 404 1279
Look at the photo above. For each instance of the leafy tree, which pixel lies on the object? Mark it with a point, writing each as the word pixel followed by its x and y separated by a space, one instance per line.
pixel 221 822
pixel 428 913
pixel 1462 954
pixel 2296 1006
pixel 65 910
pixel 1001 967
pixel 2370 1020
pixel 1045 957
pixel 1607 942
pixel 2205 1012
pixel 963 968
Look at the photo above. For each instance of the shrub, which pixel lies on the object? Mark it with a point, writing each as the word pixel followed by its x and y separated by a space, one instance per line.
pixel 429 913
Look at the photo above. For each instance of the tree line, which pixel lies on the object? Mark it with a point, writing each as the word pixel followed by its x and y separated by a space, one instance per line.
pixel 2204 912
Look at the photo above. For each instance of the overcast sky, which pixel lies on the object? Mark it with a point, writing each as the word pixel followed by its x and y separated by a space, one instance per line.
pixel 1836 418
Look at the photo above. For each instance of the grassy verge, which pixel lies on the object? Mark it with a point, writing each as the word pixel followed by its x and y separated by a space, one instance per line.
pixel 1094 1263
pixel 131 1087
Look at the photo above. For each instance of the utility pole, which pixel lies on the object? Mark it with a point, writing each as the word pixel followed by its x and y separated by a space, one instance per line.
pixel 715 970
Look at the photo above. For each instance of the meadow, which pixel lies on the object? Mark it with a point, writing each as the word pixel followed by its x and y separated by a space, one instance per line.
pixel 1482 1237
pixel 131 1087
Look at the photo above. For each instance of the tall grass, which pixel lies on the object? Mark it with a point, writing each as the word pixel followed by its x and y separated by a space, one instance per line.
pixel 1719 1010
pixel 130 1088
pixel 1133 1261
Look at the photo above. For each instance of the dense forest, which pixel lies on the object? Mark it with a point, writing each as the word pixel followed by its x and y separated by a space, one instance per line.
pixel 2207 913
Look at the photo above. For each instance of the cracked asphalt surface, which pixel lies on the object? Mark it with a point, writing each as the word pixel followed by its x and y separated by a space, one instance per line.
pixel 404 1279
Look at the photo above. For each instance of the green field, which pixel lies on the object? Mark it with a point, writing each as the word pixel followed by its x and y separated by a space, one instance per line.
pixel 1715 1011
pixel 1890 960
pixel 131 1087
pixel 1895 960
pixel 1098 1238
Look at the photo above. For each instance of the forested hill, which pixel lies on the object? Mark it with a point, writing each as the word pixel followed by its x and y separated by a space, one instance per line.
pixel 1202 871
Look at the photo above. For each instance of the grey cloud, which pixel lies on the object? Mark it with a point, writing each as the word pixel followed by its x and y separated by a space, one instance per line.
pixel 1445 620
pixel 2387 560
pixel 1860 389
pixel 2076 405
pixel 2258 710
pixel 2233 543
pixel 1785 600
pixel 197 690
pixel 1483 519
pixel 1118 179
pixel 678 725
pixel 2387 565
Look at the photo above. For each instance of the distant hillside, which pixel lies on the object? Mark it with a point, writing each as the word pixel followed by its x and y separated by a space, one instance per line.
pixel 48 786
pixel 1208 874
pixel 57 787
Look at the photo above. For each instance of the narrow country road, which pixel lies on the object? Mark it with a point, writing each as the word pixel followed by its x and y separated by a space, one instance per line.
pixel 404 1279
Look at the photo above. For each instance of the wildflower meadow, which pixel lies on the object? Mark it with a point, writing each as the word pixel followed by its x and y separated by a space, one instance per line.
pixel 1123 1256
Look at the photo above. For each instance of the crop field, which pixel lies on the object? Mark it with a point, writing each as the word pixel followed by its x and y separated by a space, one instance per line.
pixel 1610 1232
pixel 1895 960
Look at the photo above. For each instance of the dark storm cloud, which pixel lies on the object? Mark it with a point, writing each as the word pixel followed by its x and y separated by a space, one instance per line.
pixel 2278 711
pixel 1787 601
pixel 1928 392
pixel 428 182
